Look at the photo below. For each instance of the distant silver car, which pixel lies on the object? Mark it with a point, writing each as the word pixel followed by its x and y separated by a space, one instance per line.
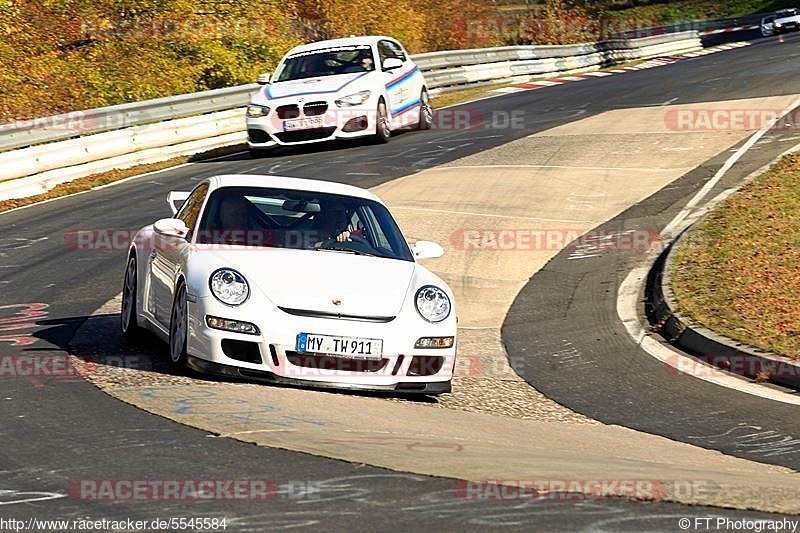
pixel 786 20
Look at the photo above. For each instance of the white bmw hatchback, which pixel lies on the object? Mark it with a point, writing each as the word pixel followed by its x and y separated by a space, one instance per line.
pixel 338 89
pixel 292 281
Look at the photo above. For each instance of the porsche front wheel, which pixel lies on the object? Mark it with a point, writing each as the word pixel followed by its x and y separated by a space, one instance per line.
pixel 178 328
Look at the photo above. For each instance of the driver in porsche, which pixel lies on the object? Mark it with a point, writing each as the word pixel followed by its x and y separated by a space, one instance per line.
pixel 334 224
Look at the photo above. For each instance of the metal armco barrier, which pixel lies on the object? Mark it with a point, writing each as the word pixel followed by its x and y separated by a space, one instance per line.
pixel 452 70
pixel 443 70
pixel 44 152
pixel 49 129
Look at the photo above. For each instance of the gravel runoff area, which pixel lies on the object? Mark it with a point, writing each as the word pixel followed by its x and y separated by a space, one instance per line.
pixel 498 391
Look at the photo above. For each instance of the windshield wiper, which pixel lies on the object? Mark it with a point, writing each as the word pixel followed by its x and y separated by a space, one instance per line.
pixel 347 250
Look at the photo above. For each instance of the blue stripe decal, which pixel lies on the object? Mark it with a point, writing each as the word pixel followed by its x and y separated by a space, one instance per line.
pixel 406 107
pixel 402 78
pixel 269 96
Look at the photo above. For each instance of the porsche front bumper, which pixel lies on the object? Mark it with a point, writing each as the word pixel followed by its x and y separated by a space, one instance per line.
pixel 272 355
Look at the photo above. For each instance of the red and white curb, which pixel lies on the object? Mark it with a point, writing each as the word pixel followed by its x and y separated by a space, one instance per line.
pixel 720 48
pixel 726 30
pixel 651 63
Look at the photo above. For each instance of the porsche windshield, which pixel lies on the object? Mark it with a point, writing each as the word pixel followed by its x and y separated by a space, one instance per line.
pixel 327 62
pixel 285 218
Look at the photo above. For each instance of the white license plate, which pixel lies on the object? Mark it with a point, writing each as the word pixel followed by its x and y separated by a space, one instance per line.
pixel 343 346
pixel 303 124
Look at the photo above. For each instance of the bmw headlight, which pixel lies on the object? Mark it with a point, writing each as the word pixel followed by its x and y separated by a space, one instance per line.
pixel 432 303
pixel 228 286
pixel 255 111
pixel 353 99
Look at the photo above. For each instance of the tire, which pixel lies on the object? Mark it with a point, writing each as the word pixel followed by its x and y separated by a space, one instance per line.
pixel 425 111
pixel 129 324
pixel 178 329
pixel 382 130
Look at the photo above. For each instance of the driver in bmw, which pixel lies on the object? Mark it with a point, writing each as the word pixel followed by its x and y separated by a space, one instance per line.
pixel 367 63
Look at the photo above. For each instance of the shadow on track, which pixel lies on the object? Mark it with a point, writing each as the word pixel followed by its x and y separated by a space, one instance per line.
pixel 98 342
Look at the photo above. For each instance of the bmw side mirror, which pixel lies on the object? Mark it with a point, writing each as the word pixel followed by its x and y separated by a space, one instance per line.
pixel 391 63
pixel 264 79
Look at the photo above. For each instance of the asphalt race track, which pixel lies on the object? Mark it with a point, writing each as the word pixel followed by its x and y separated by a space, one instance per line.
pixel 606 362
pixel 59 431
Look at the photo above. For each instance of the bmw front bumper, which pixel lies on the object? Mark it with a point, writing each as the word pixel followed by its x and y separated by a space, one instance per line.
pixel 294 122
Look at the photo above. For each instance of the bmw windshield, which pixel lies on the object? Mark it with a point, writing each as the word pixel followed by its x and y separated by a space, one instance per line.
pixel 327 62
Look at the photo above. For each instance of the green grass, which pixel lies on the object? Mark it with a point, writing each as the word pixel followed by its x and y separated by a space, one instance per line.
pixel 738 271
pixel 464 95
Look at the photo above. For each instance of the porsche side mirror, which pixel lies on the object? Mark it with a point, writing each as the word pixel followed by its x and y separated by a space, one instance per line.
pixel 171 227
pixel 427 250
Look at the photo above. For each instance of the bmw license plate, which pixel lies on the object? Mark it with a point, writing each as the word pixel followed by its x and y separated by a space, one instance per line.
pixel 303 124
pixel 342 346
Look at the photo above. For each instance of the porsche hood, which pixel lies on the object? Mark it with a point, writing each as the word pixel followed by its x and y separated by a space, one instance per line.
pixel 323 281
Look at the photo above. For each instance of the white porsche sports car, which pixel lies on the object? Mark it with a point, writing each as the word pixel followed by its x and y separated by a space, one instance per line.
pixel 293 281
pixel 338 89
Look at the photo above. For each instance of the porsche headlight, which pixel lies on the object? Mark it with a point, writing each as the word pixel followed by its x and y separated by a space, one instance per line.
pixel 432 303
pixel 353 99
pixel 228 286
pixel 255 111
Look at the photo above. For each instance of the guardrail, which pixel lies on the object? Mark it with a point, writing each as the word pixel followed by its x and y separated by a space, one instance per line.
pixel 453 70
pixel 68 125
pixel 42 153
pixel 443 70
pixel 701 26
